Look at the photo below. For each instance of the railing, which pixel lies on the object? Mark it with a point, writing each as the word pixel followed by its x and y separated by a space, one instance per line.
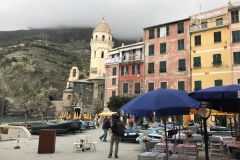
pixel 196 26
pixel 125 59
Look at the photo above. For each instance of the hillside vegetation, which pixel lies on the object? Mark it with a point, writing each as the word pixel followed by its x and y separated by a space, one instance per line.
pixel 35 65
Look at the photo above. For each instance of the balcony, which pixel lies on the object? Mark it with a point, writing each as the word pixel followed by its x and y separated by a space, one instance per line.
pixel 197 26
pixel 124 59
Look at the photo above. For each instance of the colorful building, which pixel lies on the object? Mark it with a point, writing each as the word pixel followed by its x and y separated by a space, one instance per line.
pixel 124 70
pixel 167 56
pixel 233 16
pixel 210 49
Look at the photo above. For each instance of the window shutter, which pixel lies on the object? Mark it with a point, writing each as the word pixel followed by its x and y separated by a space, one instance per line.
pixel 122 71
pixel 127 69
pixel 138 69
pixel 167 30
pixel 238 81
pixel 133 69
pixel 158 32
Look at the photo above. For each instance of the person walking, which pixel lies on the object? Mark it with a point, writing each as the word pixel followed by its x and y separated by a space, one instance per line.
pixel 105 127
pixel 117 133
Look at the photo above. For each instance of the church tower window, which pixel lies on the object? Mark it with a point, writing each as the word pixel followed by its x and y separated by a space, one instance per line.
pixel 102 56
pixel 103 38
pixel 96 37
pixel 94 54
pixel 109 39
pixel 74 73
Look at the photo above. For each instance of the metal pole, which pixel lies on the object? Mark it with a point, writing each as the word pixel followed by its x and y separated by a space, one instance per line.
pixel 2 111
pixel 235 125
pixel 165 128
pixel 206 138
pixel 231 125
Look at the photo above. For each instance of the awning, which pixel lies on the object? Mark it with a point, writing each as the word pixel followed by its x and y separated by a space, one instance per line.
pixel 107 113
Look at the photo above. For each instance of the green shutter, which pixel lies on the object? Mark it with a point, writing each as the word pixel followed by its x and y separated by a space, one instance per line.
pixel 180 28
pixel 113 93
pixel 122 70
pixel 114 71
pixel 162 47
pixel 181 85
pixel 197 61
pixel 198 85
pixel 167 30
pixel 181 64
pixel 181 44
pixel 217 59
pixel 158 32
pixel 218 82
pixel 162 66
pixel 113 81
pixel 133 69
pixel 127 69
pixel 238 81
pixel 150 86
pixel 138 69
pixel 236 57
pixel 164 85
pixel 151 50
pixel 125 88
pixel 137 87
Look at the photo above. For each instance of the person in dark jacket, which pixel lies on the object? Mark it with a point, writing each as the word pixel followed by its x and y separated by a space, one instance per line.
pixel 105 127
pixel 115 138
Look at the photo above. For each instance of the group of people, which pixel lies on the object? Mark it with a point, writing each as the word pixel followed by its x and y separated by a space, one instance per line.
pixel 117 131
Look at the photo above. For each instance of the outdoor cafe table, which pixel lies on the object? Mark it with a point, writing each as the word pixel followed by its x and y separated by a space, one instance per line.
pixel 233 146
pixel 171 146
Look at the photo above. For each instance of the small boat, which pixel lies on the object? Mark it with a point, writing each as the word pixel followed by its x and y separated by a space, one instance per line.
pixel 60 127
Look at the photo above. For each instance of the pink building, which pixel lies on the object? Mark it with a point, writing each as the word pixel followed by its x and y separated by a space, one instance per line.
pixel 124 70
pixel 233 17
pixel 167 56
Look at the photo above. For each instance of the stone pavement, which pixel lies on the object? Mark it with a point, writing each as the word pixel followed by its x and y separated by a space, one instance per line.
pixel 64 148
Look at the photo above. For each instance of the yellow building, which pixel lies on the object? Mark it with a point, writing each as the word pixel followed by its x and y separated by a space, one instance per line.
pixel 210 49
pixel 211 59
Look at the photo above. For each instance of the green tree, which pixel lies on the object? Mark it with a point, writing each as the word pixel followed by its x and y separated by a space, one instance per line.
pixel 116 102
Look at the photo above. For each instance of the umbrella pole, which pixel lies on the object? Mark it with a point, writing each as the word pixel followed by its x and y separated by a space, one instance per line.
pixel 235 126
pixel 165 128
pixel 179 127
pixel 174 130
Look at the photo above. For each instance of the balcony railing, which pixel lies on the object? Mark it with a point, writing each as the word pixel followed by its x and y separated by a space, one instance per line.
pixel 196 26
pixel 125 59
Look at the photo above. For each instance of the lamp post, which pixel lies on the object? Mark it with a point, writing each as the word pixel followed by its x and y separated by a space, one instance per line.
pixel 204 116
pixel 230 119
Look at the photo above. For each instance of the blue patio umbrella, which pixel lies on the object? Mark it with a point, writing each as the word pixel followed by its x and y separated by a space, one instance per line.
pixel 164 102
pixel 222 98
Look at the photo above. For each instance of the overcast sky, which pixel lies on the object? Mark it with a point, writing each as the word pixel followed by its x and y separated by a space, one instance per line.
pixel 126 18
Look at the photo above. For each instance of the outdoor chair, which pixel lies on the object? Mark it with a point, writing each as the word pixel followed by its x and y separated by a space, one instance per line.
pixel 80 143
pixel 160 148
pixel 90 144
pixel 199 142
pixel 189 141
pixel 190 151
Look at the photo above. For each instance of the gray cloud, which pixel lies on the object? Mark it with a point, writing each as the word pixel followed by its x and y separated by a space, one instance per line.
pixel 126 18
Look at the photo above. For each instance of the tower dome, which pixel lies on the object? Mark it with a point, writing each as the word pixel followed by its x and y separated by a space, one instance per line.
pixel 102 27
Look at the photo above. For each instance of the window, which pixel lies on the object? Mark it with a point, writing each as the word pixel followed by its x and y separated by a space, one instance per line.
pixel 197 40
pixel 102 55
pixel 125 88
pixel 137 88
pixel 238 80
pixel 124 70
pixel 163 85
pixel 217 37
pixel 218 82
pixel 103 38
pixel 162 66
pixel 163 31
pixel 114 71
pixel 136 69
pixel 96 37
pixel 217 60
pixel 163 48
pixel 204 25
pixel 234 16
pixel 181 65
pixel 151 33
pixel 236 57
pixel 113 81
pixel 180 28
pixel 151 50
pixel 181 44
pixel 198 85
pixel 113 93
pixel 219 21
pixel 69 97
pixel 150 67
pixel 150 87
pixel 181 85
pixel 236 36
pixel 197 62
pixel 74 73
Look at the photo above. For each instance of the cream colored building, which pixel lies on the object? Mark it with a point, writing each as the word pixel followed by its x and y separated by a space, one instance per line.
pixel 101 43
